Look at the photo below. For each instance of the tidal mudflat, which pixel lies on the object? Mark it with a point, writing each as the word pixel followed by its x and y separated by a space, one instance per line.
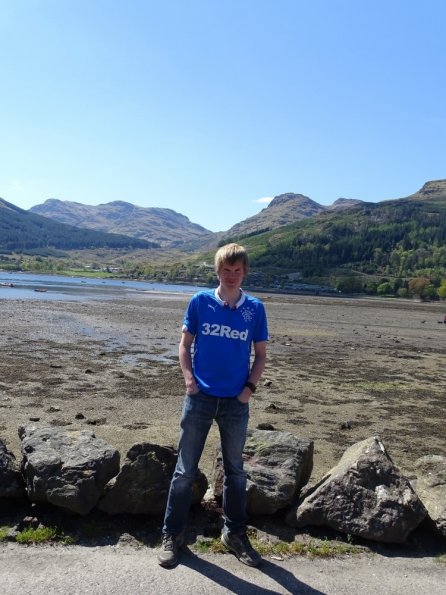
pixel 339 370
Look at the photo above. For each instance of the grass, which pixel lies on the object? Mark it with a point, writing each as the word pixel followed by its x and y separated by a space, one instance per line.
pixel 310 548
pixel 316 548
pixel 38 535
pixel 90 531
pixel 4 533
pixel 313 549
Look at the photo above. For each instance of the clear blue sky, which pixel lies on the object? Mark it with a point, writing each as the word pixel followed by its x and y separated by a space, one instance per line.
pixel 207 106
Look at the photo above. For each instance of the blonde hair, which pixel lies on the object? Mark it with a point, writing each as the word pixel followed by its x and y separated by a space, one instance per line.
pixel 230 254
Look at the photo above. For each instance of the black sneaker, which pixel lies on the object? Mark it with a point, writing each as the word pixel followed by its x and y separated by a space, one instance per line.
pixel 242 548
pixel 168 556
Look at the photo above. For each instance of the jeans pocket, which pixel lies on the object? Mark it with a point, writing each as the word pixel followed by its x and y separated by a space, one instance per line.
pixel 241 402
pixel 193 394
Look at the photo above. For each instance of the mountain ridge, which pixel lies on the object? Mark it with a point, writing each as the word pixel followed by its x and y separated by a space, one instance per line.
pixel 22 230
pixel 403 237
pixel 175 230
pixel 169 228
pixel 163 226
pixel 285 209
pixel 432 189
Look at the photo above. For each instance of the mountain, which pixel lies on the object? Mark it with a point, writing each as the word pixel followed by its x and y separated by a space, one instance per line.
pixel 163 226
pixel 432 191
pixel 402 238
pixel 282 210
pixel 285 209
pixel 345 203
pixel 171 229
pixel 21 231
pixel 289 208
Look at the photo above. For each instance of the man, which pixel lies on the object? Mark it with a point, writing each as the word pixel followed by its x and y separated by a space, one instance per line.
pixel 220 325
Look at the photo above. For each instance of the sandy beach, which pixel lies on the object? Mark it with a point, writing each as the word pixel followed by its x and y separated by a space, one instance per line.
pixel 339 370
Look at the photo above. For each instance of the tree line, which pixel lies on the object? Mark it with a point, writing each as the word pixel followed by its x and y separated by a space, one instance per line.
pixel 22 231
pixel 397 248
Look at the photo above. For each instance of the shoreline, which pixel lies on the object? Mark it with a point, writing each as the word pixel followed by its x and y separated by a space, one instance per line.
pixel 376 365
pixel 197 286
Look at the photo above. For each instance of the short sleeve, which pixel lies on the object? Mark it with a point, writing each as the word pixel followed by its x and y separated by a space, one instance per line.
pixel 190 320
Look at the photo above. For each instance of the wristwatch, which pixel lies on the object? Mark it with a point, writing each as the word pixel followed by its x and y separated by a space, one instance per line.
pixel 252 387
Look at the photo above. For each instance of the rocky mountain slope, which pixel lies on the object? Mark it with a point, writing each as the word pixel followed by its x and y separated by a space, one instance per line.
pixel 433 190
pixel 289 208
pixel 23 231
pixel 344 203
pixel 282 210
pixel 163 226
pixel 285 209
pixel 171 229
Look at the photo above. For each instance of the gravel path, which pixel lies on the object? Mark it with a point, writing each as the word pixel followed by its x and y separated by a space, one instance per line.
pixel 125 571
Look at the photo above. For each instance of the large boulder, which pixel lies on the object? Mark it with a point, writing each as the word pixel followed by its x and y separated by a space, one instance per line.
pixel 431 489
pixel 12 485
pixel 277 464
pixel 68 469
pixel 142 485
pixel 363 495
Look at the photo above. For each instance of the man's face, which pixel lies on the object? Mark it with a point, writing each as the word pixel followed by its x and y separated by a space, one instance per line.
pixel 231 275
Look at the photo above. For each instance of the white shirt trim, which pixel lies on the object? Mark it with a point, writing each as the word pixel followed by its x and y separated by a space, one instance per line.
pixel 237 305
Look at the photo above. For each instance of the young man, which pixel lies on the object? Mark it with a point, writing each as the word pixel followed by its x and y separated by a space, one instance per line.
pixel 221 325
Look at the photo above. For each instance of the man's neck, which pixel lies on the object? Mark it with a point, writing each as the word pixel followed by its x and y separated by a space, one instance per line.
pixel 231 297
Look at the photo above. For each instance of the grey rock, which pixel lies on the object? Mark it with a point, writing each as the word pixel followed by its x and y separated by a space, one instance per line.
pixel 68 469
pixel 277 464
pixel 431 489
pixel 265 426
pixel 143 483
pixel 363 495
pixel 12 485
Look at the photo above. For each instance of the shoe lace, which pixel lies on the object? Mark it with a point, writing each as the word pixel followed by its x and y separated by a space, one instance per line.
pixel 168 542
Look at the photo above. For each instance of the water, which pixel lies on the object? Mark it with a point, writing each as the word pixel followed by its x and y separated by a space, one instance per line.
pixel 54 287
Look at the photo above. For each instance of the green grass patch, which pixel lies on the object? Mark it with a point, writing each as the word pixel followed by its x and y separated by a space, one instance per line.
pixel 38 535
pixel 209 546
pixel 4 533
pixel 313 549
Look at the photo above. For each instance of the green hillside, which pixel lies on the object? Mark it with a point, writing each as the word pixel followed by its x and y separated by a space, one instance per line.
pixel 399 238
pixel 395 247
pixel 22 231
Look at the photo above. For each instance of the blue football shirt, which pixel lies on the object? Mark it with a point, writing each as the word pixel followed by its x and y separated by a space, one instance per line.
pixel 223 339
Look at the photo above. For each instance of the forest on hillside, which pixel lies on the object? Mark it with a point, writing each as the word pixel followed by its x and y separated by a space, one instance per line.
pixel 391 248
pixel 22 231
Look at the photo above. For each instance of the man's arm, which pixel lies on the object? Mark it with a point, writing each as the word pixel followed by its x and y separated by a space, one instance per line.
pixel 257 368
pixel 185 356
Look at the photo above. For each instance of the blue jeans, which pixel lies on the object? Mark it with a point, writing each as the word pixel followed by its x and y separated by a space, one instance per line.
pixel 199 411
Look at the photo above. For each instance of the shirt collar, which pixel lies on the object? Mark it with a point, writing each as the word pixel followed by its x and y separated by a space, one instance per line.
pixel 222 303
